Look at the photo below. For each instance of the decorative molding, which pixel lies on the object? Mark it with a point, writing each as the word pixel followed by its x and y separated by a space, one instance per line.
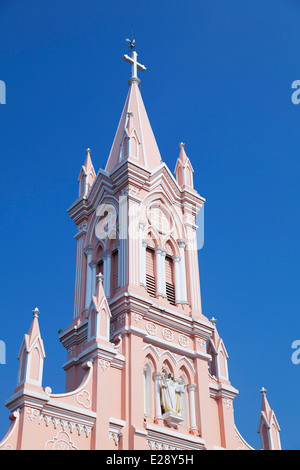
pixel 84 398
pixel 64 423
pixel 137 317
pixel 7 447
pixel 116 436
pixel 62 441
pixel 33 412
pixel 168 334
pixel 151 328
pixel 171 356
pixel 121 318
pixel 71 350
pixel 156 445
pixel 115 429
pixel 201 342
pixel 130 191
pixel 183 340
pixel 82 226
pixel 104 364
pixel 227 402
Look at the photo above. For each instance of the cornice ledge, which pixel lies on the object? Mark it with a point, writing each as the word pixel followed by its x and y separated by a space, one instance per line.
pixel 26 397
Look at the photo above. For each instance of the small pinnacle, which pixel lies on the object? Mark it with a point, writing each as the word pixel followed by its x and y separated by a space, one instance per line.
pixel 100 277
pixel 263 391
pixel 213 320
pixel 181 145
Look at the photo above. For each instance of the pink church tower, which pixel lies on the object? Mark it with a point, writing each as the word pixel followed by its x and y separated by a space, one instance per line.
pixel 145 368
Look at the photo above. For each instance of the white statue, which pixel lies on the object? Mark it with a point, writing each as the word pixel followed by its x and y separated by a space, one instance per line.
pixel 171 392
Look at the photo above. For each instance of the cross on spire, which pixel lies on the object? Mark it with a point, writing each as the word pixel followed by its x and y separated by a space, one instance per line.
pixel 134 63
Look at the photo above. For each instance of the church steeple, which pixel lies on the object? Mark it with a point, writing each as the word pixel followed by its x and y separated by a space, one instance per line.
pixel 268 427
pixel 134 140
pixel 138 332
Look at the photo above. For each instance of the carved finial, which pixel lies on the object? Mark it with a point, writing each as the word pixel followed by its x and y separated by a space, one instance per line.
pixel 88 151
pixel 263 391
pixel 182 145
pixel 100 277
pixel 213 320
pixel 36 312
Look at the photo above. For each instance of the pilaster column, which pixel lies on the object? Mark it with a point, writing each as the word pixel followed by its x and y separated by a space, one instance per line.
pixel 144 245
pixel 163 272
pixel 176 261
pixel 93 266
pixel 191 389
pixel 119 264
pixel 156 377
pixel 88 285
pixel 107 272
pixel 160 272
pixel 182 245
pixel 78 301
pixel 123 237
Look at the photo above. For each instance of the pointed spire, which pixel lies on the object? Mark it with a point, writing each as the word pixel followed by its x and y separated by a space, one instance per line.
pixel 87 174
pixel 99 289
pixel 99 314
pixel 134 140
pixel 265 407
pixel 182 155
pixel 34 330
pixel 184 170
pixel 32 354
pixel 88 160
pixel 268 425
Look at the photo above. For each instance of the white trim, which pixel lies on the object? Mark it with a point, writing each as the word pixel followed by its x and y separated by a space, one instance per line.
pixel 168 432
pixel 88 286
pixel 140 123
pixel 16 415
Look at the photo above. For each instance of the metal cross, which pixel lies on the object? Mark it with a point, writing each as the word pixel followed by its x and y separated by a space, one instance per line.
pixel 134 63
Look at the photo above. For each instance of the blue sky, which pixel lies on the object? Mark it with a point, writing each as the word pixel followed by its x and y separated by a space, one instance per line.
pixel 218 78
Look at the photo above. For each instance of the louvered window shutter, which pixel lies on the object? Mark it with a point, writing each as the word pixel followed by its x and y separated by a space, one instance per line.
pixel 150 279
pixel 170 287
pixel 114 265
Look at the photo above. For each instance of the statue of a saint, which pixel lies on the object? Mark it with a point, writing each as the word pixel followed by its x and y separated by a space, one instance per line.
pixel 171 392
